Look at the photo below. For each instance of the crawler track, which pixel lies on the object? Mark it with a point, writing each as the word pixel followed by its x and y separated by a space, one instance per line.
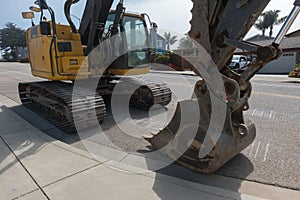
pixel 149 93
pixel 54 100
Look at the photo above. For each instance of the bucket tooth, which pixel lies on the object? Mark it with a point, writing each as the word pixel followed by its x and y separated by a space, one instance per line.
pixel 154 133
pixel 148 137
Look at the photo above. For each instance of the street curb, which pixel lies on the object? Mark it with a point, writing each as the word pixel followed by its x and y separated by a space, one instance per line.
pixel 174 72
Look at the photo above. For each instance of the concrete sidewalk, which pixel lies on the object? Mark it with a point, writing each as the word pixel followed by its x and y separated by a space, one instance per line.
pixel 36 166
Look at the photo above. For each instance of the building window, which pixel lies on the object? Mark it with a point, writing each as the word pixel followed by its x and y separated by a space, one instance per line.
pixel 288 54
pixel 159 44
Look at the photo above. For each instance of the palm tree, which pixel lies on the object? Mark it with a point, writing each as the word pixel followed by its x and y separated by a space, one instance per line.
pixel 261 25
pixel 170 40
pixel 271 19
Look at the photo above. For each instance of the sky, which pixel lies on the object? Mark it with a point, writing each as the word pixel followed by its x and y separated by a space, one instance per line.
pixel 171 15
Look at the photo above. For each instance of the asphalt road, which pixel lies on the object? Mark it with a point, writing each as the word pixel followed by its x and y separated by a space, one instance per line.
pixel 273 158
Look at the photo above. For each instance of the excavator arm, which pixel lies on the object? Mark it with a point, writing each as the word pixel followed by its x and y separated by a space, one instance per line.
pixel 214 20
pixel 219 26
pixel 93 20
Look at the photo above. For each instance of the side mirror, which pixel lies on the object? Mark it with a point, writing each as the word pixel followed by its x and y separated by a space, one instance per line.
pixel 28 15
pixel 35 9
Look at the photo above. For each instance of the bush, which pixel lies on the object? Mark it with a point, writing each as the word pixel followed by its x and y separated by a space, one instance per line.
pixel 162 59
pixel 292 74
pixel 296 72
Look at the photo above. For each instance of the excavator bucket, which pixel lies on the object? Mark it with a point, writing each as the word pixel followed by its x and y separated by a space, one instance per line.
pixel 235 135
pixel 218 26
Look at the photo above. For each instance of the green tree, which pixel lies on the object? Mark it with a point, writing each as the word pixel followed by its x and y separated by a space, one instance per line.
pixel 262 26
pixel 268 20
pixel 170 40
pixel 12 37
pixel 272 19
pixel 186 42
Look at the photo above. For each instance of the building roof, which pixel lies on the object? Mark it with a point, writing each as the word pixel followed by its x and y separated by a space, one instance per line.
pixel 160 37
pixel 287 43
pixel 294 34
pixel 258 37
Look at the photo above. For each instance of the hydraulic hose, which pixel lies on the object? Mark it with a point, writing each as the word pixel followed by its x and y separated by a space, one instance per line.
pixel 67 9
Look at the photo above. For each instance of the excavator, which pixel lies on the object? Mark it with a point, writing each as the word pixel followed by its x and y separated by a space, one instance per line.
pixel 60 53
pixel 219 26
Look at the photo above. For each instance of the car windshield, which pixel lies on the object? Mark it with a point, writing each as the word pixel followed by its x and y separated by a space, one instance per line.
pixel 236 58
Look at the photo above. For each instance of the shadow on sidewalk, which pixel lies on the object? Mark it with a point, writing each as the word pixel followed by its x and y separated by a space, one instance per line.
pixel 240 167
pixel 12 145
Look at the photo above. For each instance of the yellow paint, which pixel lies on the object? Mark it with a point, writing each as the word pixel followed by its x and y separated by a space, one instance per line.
pixel 128 72
pixel 68 63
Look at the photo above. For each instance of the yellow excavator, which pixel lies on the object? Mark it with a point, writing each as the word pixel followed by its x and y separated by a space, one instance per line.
pixel 60 53
pixel 56 52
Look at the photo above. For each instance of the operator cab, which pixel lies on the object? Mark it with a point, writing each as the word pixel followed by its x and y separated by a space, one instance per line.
pixel 57 52
pixel 134 37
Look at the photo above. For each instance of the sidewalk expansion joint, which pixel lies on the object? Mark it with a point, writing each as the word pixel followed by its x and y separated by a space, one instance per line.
pixel 16 198
pixel 66 177
pixel 25 168
pixel 78 154
pixel 125 157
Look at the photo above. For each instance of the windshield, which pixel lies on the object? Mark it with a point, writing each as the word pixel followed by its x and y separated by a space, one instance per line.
pixel 236 58
pixel 136 36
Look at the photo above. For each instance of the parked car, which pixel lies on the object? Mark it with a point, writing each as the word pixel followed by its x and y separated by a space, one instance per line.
pixel 239 62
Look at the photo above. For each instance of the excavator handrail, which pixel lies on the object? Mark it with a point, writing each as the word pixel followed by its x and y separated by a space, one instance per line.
pixel 67 9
